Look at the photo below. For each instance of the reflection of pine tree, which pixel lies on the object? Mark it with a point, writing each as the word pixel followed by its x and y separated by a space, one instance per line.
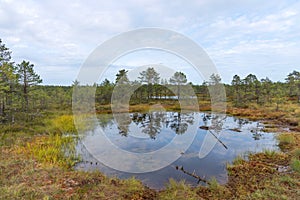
pixel 123 121
pixel 180 122
pixel 153 125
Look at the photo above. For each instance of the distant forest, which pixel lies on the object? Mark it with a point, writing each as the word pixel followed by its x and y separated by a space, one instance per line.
pixel 22 97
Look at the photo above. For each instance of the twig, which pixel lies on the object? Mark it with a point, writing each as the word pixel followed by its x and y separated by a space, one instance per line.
pixel 192 175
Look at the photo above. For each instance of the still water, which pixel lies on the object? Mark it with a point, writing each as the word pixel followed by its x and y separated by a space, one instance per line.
pixel 149 132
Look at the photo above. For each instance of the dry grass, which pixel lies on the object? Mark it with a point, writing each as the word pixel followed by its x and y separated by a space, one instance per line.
pixel 26 178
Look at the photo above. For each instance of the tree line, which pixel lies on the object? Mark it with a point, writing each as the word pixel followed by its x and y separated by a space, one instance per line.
pixel 250 89
pixel 240 92
pixel 23 98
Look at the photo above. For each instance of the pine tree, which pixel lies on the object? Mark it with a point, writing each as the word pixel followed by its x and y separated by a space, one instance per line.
pixel 237 86
pixel 179 79
pixel 8 81
pixel 150 77
pixel 28 78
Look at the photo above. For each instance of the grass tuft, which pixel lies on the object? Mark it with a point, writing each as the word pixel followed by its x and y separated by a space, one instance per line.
pixel 285 140
pixel 295 164
pixel 53 150
pixel 238 160
pixel 270 153
pixel 64 124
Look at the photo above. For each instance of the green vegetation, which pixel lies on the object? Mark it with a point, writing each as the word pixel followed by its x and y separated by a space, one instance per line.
pixel 270 153
pixel 38 136
pixel 178 190
pixel 238 160
pixel 52 150
pixel 286 139
pixel 295 164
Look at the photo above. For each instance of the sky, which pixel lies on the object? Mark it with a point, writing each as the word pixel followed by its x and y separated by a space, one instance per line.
pixel 240 37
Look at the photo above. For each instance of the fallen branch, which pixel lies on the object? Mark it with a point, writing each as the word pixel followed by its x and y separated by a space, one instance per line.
pixel 192 175
pixel 207 128
pixel 218 139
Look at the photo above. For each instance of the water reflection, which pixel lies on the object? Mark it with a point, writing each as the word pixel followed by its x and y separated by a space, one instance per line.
pixel 257 132
pixel 214 125
pixel 179 122
pixel 240 122
pixel 151 123
pixel 146 132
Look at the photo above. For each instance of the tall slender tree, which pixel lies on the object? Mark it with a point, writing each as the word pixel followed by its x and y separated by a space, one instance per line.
pixel 122 88
pixel 149 77
pixel 27 78
pixel 251 84
pixel 215 88
pixel 8 82
pixel 266 85
pixel 179 79
pixel 237 84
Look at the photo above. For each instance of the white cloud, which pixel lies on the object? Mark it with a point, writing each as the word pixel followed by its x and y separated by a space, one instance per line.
pixel 236 34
